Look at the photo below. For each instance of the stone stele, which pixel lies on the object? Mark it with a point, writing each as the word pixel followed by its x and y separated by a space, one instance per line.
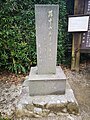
pixel 46 78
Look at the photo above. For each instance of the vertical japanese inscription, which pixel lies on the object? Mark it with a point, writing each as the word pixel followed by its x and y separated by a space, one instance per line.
pixel 50 20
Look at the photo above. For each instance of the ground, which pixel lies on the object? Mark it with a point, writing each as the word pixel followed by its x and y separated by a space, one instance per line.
pixel 80 83
pixel 10 89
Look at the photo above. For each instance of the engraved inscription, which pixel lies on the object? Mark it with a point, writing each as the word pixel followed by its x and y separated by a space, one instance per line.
pixel 46 17
pixel 50 16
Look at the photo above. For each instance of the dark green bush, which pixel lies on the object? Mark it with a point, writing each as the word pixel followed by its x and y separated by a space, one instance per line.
pixel 17 33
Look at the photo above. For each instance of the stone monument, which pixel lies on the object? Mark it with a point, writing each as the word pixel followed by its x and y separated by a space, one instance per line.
pixel 49 94
pixel 46 78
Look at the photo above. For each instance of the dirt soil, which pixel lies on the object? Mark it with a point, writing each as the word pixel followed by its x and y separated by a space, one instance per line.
pixel 80 83
pixel 10 88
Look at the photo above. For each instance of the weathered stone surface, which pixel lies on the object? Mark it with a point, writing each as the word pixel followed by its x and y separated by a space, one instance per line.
pixel 52 114
pixel 38 111
pixel 64 110
pixel 24 112
pixel 70 97
pixel 72 117
pixel 45 112
pixel 72 107
pixel 49 104
pixel 29 107
pixel 39 105
pixel 46 37
pixel 61 114
pixel 56 107
pixel 38 84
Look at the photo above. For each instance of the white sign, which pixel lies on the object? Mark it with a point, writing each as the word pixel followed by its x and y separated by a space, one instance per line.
pixel 78 24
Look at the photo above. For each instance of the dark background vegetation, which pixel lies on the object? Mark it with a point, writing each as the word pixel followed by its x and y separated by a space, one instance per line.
pixel 17 33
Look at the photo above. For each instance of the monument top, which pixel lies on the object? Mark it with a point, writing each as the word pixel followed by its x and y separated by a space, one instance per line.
pixel 47 5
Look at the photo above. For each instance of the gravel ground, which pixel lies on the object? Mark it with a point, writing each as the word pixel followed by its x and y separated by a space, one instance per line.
pixel 10 89
pixel 80 83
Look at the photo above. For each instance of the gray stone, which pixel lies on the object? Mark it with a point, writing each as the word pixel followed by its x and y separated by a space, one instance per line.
pixel 46 84
pixel 38 110
pixel 23 112
pixel 48 104
pixel 56 107
pixel 46 78
pixel 40 105
pixel 46 17
pixel 29 107
pixel 70 97
pixel 51 114
pixel 72 107
pixel 45 112
pixel 64 110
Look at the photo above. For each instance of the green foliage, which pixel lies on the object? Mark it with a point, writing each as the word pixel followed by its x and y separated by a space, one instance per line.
pixel 4 119
pixel 62 32
pixel 1 118
pixel 70 7
pixel 17 33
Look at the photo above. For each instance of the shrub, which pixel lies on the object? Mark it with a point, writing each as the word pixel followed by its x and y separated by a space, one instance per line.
pixel 17 33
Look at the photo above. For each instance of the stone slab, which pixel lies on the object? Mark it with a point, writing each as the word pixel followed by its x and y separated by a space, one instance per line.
pixel 46 17
pixel 46 84
pixel 47 105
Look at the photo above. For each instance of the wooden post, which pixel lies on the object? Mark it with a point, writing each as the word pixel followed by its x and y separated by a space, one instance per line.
pixel 73 41
pixel 73 54
pixel 78 9
pixel 78 53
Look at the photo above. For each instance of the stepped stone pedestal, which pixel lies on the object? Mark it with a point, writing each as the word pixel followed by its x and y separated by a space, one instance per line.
pixel 63 105
pixel 48 84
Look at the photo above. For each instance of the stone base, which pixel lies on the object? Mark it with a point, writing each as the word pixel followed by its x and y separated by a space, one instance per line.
pixel 50 84
pixel 47 105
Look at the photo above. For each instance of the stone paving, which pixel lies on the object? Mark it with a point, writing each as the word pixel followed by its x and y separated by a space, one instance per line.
pixel 80 83
pixel 48 105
